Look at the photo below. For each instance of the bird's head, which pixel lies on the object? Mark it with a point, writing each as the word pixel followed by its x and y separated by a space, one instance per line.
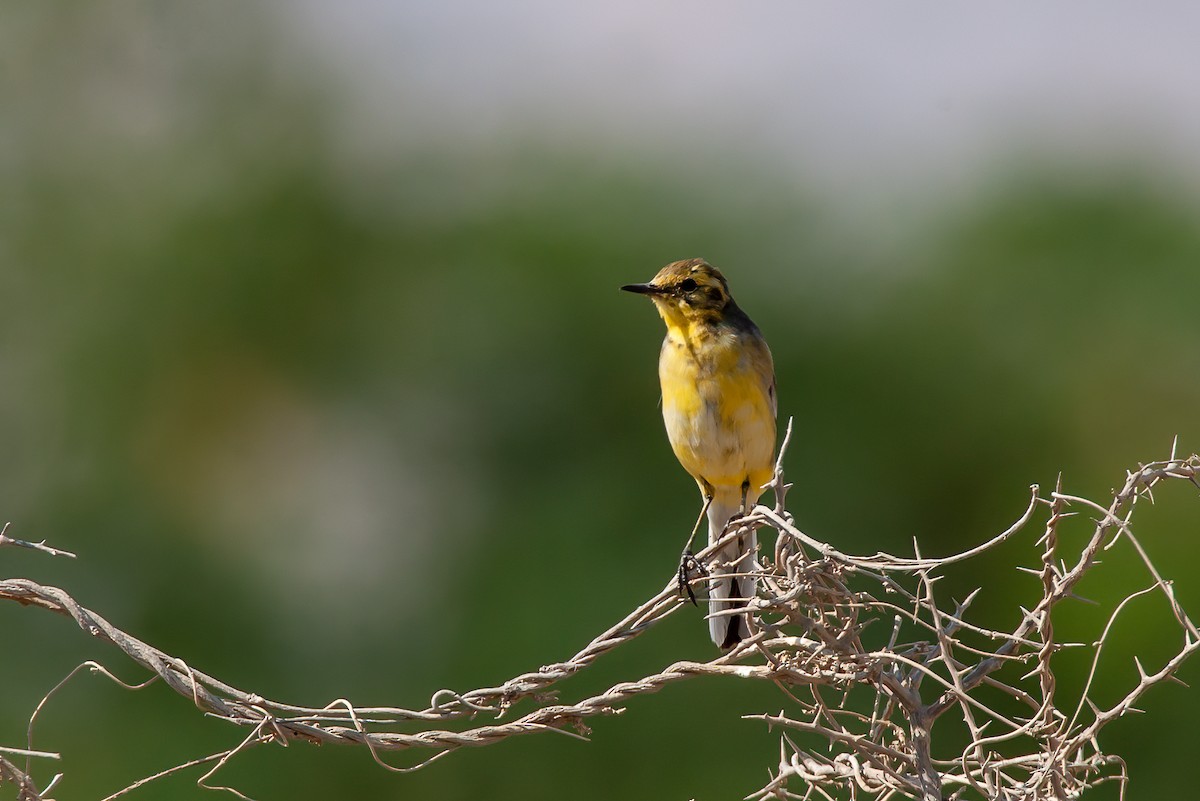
pixel 687 291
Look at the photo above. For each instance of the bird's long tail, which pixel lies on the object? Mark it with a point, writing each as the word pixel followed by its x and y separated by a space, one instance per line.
pixel 727 590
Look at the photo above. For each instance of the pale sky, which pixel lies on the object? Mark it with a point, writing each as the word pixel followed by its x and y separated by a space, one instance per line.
pixel 854 96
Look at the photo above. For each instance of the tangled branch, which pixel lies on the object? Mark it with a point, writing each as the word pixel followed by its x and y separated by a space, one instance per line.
pixel 861 715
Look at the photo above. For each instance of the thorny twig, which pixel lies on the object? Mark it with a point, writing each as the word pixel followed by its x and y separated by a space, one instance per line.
pixel 814 605
pixel 7 541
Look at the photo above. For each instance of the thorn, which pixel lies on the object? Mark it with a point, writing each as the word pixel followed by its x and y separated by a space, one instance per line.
pixel 970 598
pixel 1141 670
pixel 1177 680
pixel 1088 601
pixel 1029 570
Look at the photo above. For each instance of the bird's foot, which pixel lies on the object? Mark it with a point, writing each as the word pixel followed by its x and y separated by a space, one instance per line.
pixel 689 570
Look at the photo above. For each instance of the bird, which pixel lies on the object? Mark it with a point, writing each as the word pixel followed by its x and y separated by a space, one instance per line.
pixel 719 406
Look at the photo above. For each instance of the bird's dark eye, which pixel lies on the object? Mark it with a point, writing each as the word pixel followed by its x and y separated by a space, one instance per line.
pixel 687 285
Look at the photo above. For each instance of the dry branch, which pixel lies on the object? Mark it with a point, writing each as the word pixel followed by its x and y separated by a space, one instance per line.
pixel 1023 741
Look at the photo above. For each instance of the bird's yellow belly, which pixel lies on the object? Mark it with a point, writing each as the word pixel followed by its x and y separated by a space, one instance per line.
pixel 719 418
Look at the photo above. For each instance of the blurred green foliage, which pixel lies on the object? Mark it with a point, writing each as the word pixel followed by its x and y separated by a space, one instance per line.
pixel 324 430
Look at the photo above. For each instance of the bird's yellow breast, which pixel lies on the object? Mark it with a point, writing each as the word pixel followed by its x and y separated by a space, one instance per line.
pixel 718 402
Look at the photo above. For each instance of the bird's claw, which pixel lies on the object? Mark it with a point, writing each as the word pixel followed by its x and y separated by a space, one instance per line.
pixel 689 569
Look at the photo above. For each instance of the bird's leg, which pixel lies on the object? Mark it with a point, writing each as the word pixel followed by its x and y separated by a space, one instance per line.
pixel 742 510
pixel 688 563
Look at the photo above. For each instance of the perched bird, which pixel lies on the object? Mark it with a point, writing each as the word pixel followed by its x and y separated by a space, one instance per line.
pixel 718 403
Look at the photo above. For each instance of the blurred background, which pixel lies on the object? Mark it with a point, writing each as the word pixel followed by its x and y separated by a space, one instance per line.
pixel 311 347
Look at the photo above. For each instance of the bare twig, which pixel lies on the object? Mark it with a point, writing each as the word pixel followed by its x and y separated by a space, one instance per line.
pixel 26 789
pixel 8 541
pixel 814 604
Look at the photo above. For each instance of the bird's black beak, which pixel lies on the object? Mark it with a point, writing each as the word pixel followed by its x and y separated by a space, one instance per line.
pixel 643 289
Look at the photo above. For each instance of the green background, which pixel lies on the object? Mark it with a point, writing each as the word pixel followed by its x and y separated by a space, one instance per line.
pixel 329 429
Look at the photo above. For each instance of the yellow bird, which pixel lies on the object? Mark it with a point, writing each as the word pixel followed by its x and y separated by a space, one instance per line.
pixel 718 402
